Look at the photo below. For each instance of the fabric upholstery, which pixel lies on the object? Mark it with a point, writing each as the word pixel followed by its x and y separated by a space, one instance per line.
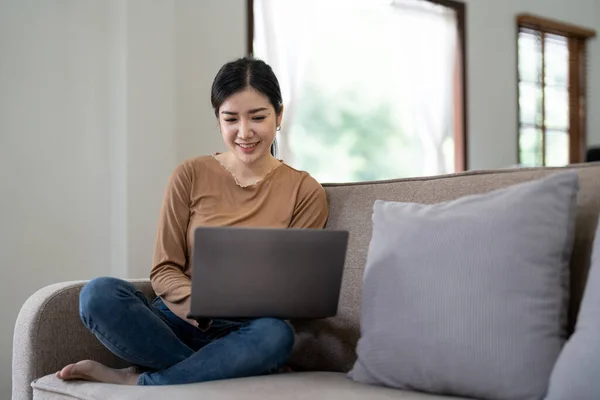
pixel 575 375
pixel 330 344
pixel 49 335
pixel 48 322
pixel 294 386
pixel 469 297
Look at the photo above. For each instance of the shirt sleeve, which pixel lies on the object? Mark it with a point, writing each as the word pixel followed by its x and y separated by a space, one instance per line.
pixel 167 276
pixel 312 206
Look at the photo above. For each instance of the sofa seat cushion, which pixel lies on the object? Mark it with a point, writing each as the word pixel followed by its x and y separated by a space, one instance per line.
pixel 293 386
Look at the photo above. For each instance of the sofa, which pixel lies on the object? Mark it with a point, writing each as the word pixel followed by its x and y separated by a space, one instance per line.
pixel 49 334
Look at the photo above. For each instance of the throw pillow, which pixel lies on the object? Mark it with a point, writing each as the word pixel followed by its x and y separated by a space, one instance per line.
pixel 469 297
pixel 575 375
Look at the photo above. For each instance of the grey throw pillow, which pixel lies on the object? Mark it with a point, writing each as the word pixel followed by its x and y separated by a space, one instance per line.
pixel 469 297
pixel 576 374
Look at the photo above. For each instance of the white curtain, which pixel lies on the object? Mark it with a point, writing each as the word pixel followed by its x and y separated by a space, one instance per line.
pixel 424 47
pixel 427 35
pixel 282 38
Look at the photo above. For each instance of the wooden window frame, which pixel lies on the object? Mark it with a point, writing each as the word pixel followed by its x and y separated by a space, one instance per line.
pixel 460 81
pixel 577 86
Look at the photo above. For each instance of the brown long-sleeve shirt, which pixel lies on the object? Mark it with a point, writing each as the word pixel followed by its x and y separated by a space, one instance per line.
pixel 201 192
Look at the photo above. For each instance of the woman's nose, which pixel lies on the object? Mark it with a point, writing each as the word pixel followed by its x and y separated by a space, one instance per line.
pixel 245 132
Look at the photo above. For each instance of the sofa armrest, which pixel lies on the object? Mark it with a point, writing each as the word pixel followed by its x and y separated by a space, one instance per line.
pixel 49 334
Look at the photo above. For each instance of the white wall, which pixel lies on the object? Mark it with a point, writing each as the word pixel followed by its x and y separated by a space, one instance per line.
pixel 54 163
pixel 208 33
pixel 492 87
pixel 100 99
pixel 175 48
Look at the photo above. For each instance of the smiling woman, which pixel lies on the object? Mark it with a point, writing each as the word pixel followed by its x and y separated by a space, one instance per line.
pixel 248 124
pixel 241 187
pixel 231 79
pixel 247 100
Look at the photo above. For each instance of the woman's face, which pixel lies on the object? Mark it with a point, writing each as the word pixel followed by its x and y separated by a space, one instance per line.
pixel 248 124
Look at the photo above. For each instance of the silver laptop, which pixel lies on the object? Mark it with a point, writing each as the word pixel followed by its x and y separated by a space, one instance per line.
pixel 292 273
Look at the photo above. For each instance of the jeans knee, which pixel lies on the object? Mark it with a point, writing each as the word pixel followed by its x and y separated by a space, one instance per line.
pixel 278 336
pixel 100 294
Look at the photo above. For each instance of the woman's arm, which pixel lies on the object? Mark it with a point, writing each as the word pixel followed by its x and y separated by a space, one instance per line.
pixel 312 208
pixel 170 251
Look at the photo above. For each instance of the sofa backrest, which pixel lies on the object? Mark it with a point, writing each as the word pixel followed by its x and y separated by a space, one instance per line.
pixel 330 344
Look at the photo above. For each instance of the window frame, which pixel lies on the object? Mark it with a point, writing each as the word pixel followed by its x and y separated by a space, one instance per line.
pixel 577 81
pixel 460 113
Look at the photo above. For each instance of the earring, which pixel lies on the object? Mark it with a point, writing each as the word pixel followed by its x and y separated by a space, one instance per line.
pixel 278 128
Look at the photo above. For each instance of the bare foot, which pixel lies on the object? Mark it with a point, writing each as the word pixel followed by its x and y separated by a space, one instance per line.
pixel 93 371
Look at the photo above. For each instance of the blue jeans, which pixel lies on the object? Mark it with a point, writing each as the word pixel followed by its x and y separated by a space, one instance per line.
pixel 172 350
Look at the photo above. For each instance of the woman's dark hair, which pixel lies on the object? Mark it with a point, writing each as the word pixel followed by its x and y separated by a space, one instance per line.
pixel 238 75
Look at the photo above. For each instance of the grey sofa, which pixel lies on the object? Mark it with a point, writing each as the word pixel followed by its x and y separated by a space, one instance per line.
pixel 49 334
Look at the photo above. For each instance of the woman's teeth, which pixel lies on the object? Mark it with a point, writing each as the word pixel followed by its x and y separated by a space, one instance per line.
pixel 247 146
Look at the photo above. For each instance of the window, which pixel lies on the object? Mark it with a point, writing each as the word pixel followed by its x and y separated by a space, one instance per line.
pixel 372 89
pixel 552 92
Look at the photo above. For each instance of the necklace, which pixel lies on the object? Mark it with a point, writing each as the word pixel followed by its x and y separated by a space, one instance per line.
pixel 238 182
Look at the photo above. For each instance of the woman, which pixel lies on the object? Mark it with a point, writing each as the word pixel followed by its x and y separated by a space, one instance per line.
pixel 245 186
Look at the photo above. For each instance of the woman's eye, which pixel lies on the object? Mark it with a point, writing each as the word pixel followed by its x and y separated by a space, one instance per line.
pixel 259 118
pixel 230 119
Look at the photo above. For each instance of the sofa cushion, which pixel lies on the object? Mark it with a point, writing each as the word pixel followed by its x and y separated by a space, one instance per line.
pixel 575 375
pixel 469 297
pixel 293 386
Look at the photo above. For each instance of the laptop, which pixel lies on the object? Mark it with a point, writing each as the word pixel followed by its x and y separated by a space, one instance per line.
pixel 292 273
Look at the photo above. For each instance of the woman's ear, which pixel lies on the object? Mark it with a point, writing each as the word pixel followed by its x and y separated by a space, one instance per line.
pixel 280 116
